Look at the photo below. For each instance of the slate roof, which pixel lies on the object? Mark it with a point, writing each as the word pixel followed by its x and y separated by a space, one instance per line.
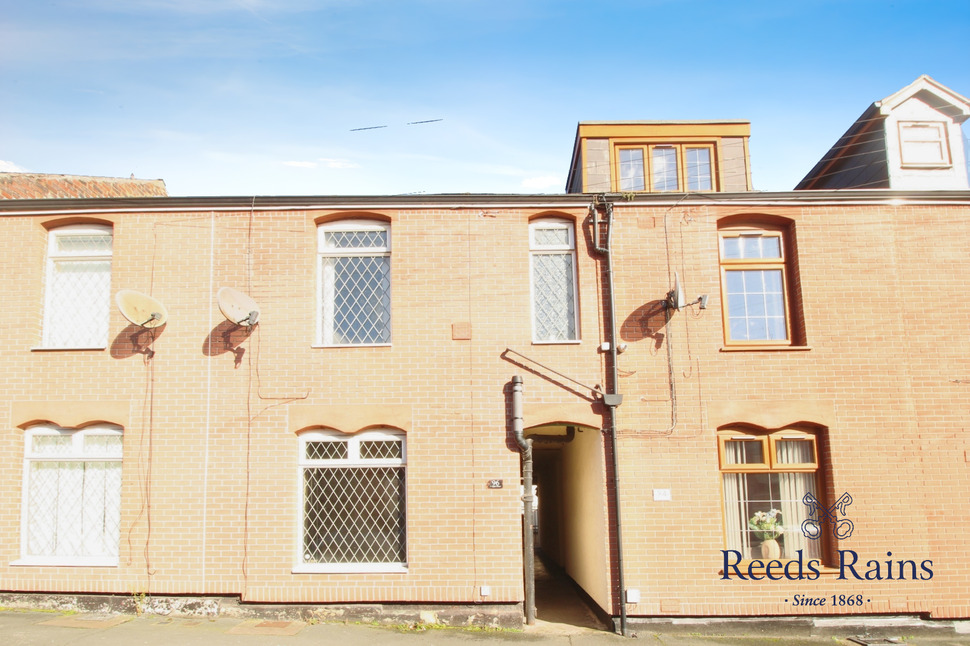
pixel 32 186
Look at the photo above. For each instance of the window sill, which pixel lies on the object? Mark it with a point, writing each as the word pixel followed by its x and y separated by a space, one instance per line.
pixel 350 568
pixel 92 348
pixel 927 166
pixel 352 345
pixel 568 342
pixel 766 348
pixel 42 561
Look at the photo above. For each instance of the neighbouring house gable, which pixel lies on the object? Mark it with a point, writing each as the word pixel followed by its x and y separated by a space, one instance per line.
pixel 910 140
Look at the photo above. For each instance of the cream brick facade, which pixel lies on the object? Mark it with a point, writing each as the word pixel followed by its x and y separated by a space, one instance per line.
pixel 211 489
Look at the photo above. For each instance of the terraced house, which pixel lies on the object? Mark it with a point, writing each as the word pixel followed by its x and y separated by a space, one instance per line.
pixel 730 402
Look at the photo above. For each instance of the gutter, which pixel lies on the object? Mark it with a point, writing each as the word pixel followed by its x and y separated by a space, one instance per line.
pixel 842 197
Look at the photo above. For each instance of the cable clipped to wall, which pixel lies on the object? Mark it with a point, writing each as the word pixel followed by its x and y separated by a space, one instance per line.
pixel 149 315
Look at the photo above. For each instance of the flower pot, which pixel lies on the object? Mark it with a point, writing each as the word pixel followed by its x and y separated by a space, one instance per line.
pixel 770 549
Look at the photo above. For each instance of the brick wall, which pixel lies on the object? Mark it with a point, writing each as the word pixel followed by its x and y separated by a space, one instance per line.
pixel 211 485
pixel 885 320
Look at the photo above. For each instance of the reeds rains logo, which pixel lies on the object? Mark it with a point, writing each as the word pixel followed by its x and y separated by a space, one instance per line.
pixel 811 528
pixel 794 567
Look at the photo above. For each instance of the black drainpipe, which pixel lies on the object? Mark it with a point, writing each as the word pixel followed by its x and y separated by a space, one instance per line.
pixel 612 398
pixel 528 548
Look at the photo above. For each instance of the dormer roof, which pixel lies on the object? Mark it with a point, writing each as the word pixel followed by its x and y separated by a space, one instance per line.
pixel 869 154
pixel 935 94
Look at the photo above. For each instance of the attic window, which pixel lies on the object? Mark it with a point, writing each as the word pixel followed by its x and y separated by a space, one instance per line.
pixel 924 143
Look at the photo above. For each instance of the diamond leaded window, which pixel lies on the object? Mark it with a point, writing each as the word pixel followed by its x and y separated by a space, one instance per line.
pixel 72 496
pixel 552 246
pixel 355 283
pixel 78 290
pixel 353 512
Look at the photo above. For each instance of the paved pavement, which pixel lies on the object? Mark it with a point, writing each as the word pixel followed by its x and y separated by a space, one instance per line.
pixel 29 628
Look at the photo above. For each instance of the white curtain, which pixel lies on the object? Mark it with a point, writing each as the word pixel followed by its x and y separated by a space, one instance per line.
pixel 74 508
pixel 78 303
pixel 735 499
pixel 794 486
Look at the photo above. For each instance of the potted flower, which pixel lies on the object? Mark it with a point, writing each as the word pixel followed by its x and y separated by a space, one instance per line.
pixel 767 526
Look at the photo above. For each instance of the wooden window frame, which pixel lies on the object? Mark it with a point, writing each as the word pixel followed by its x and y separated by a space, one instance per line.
pixel 769 443
pixel 680 149
pixel 769 440
pixel 710 156
pixel 755 264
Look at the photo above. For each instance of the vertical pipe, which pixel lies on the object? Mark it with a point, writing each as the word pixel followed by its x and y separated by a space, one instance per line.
pixel 613 398
pixel 528 548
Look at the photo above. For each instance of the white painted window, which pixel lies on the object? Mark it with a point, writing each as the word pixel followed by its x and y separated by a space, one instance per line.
pixel 353 503
pixel 354 283
pixel 552 244
pixel 78 290
pixel 71 511
pixel 924 143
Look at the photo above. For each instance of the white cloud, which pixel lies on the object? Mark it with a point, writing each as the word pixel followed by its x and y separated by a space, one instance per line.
pixel 10 167
pixel 338 163
pixel 544 182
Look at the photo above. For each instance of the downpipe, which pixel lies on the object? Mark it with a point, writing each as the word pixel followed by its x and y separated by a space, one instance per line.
pixel 612 398
pixel 528 546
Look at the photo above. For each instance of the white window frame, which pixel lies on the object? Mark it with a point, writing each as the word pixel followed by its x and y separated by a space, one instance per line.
pixel 325 308
pixel 75 454
pixel 353 460
pixel 535 250
pixel 937 128
pixel 51 309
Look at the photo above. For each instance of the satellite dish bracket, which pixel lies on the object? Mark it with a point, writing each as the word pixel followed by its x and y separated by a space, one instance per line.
pixel 136 343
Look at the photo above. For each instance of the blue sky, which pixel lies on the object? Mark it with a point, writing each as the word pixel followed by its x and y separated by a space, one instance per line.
pixel 264 97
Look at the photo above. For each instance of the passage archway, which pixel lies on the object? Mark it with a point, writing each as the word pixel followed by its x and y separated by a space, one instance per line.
pixel 572 539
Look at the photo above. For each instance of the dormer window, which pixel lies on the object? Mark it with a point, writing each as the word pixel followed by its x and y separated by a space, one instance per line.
pixel 663 168
pixel 924 143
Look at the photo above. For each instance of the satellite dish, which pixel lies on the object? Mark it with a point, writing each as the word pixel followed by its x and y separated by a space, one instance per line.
pixel 237 307
pixel 676 298
pixel 141 309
